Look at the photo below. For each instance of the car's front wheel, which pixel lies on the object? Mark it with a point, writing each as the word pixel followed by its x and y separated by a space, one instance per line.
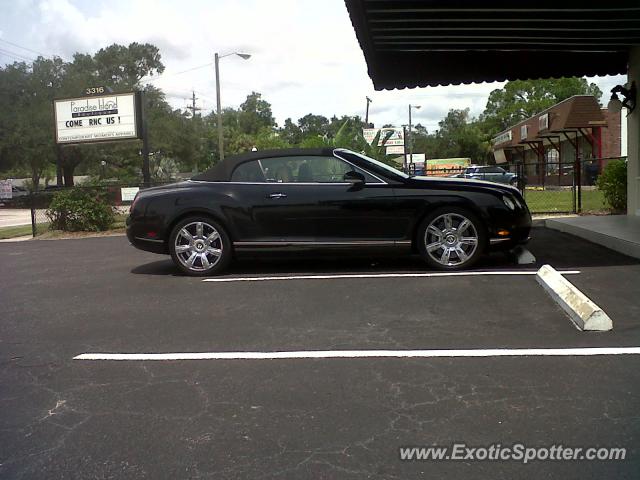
pixel 200 246
pixel 451 238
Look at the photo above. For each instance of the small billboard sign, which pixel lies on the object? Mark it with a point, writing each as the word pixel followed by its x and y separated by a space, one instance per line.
pixel 97 118
pixel 6 190
pixel 127 194
pixel 369 134
pixel 444 167
pixel 394 137
pixel 395 150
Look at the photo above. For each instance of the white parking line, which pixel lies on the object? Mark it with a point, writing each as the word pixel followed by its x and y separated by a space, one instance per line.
pixel 492 352
pixel 381 275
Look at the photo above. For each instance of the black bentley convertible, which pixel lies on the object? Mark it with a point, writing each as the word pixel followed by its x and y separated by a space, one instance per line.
pixel 323 198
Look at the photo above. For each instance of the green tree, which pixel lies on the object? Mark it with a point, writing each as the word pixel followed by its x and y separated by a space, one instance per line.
pixel 291 133
pixel 313 125
pixel 255 114
pixel 123 67
pixel 521 99
pixel 26 93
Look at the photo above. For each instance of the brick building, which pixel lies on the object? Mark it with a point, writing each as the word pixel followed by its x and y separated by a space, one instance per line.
pixel 548 144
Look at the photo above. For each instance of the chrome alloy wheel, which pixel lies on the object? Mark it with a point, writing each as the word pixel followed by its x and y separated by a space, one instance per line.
pixel 451 239
pixel 198 246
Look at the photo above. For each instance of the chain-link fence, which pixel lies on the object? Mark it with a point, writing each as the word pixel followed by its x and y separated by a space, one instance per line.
pixel 562 187
pixel 548 187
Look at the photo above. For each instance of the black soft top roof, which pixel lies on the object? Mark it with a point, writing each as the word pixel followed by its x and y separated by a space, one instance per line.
pixel 221 172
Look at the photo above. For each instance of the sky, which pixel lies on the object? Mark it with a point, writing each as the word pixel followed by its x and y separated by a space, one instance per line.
pixel 305 57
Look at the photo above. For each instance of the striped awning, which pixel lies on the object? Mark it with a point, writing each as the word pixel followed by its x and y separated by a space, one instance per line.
pixel 440 42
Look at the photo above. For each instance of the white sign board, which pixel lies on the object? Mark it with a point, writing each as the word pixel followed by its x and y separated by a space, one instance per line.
pixel 396 138
pixel 6 191
pixel 417 157
pixel 127 194
pixel 500 156
pixel 369 134
pixel 95 119
pixel 503 138
pixel 395 150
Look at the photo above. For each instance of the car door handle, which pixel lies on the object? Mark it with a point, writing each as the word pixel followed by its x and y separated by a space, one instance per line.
pixel 277 195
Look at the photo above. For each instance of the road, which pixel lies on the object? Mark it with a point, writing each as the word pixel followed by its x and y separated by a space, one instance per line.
pixel 321 418
pixel 10 217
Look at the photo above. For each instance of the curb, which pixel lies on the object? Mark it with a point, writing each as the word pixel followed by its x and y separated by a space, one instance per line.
pixel 22 238
pixel 585 314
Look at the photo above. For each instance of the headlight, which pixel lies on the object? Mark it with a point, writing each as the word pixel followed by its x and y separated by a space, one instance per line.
pixel 509 203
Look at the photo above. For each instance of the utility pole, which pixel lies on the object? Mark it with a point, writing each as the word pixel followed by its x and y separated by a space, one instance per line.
pixel 193 107
pixel 410 137
pixel 146 171
pixel 366 118
pixel 244 56
pixel 219 105
pixel 404 135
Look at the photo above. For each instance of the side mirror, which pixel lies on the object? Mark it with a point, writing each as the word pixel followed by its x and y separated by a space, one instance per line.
pixel 354 177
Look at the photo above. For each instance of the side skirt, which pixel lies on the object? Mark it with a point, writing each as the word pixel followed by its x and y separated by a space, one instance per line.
pixel 295 244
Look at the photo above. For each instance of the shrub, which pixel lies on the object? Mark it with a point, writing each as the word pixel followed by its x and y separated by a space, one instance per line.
pixel 80 209
pixel 613 183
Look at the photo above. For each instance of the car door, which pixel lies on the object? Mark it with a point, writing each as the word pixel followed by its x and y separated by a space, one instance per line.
pixel 306 198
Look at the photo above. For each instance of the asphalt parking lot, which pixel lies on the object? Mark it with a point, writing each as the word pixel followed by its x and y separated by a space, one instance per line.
pixel 306 418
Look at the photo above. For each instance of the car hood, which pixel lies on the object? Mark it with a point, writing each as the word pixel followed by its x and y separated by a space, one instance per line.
pixel 463 182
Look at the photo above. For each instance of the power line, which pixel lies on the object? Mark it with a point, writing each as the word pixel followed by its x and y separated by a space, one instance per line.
pixel 164 75
pixel 23 48
pixel 16 56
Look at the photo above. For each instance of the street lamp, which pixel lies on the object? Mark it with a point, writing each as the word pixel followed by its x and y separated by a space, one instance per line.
pixel 410 139
pixel 244 56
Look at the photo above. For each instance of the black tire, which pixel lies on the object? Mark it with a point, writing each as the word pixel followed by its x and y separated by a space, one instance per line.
pixel 472 255
pixel 200 246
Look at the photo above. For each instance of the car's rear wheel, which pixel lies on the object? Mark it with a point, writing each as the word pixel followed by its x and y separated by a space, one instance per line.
pixel 451 238
pixel 200 246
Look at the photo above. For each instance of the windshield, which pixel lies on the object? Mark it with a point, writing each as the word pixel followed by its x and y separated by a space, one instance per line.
pixel 377 163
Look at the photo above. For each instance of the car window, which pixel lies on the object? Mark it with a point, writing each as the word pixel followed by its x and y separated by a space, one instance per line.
pixel 248 172
pixel 298 169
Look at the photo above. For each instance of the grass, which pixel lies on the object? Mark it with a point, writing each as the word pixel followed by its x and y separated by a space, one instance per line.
pixel 547 201
pixel 43 229
pixel 13 232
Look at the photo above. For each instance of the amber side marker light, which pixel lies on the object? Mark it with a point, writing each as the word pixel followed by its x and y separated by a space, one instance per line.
pixel 503 233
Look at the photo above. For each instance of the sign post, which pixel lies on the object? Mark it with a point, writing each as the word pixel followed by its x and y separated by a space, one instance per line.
pixel 146 173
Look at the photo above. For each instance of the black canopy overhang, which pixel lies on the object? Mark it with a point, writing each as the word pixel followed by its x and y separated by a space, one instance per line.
pixel 438 42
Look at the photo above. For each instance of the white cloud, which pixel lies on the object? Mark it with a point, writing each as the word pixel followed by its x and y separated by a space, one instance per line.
pixel 305 57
